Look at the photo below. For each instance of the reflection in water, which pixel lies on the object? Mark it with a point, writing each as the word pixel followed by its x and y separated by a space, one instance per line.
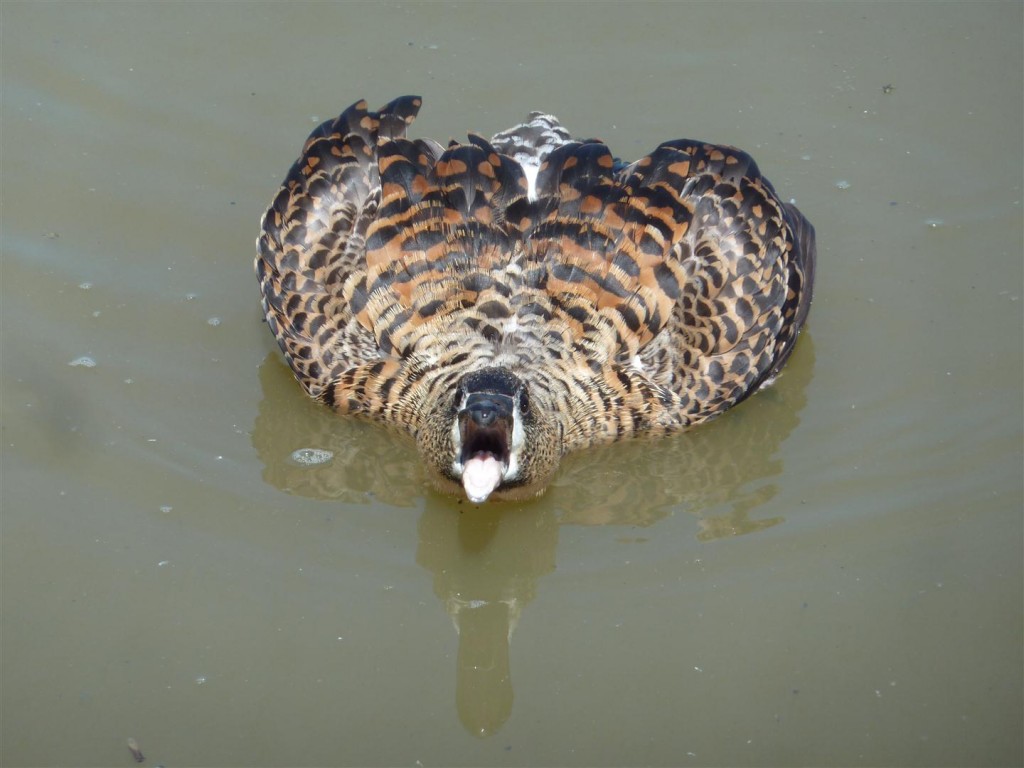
pixel 485 569
pixel 486 561
pixel 720 471
pixel 369 462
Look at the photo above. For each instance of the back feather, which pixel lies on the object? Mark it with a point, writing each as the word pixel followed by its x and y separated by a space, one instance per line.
pixel 674 285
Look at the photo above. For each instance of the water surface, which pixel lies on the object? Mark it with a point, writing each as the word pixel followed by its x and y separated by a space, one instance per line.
pixel 828 575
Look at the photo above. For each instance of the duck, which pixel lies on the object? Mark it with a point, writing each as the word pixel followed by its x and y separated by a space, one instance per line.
pixel 507 301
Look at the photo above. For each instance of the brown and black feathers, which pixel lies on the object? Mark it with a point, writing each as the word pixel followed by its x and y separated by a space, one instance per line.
pixel 507 301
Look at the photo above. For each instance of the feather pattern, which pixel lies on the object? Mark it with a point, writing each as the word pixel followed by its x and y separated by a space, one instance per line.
pixel 612 299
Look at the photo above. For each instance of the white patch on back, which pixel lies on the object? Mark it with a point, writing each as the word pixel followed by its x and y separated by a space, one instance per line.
pixel 531 172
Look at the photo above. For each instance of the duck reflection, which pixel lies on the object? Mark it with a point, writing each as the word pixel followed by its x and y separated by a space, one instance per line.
pixel 486 561
pixel 485 567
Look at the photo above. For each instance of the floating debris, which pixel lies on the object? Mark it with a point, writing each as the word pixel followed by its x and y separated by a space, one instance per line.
pixel 843 184
pixel 888 88
pixel 311 457
pixel 85 286
pixel 934 223
pixel 83 362
pixel 166 508
pixel 213 321
pixel 133 745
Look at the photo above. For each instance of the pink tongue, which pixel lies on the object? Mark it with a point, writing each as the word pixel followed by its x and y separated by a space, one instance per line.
pixel 480 476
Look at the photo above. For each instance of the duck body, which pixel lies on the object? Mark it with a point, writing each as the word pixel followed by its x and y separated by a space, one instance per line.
pixel 507 301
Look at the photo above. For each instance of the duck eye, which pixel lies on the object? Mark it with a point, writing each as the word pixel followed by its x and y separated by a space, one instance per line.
pixel 524 401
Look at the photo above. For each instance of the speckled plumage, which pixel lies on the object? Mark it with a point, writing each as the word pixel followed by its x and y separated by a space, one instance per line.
pixel 527 296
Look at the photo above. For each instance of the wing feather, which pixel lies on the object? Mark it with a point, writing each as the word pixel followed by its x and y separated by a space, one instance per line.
pixel 675 284
pixel 312 242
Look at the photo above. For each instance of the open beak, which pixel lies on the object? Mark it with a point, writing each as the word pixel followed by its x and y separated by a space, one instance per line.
pixel 485 428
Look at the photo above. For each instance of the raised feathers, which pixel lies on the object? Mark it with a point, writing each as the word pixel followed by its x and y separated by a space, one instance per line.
pixel 629 299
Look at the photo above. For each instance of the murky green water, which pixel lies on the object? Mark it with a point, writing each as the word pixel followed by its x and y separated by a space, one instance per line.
pixel 829 575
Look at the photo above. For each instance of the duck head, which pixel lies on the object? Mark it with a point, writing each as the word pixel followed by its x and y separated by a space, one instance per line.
pixel 492 437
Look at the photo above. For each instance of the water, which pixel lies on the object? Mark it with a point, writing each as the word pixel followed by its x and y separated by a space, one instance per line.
pixel 830 574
